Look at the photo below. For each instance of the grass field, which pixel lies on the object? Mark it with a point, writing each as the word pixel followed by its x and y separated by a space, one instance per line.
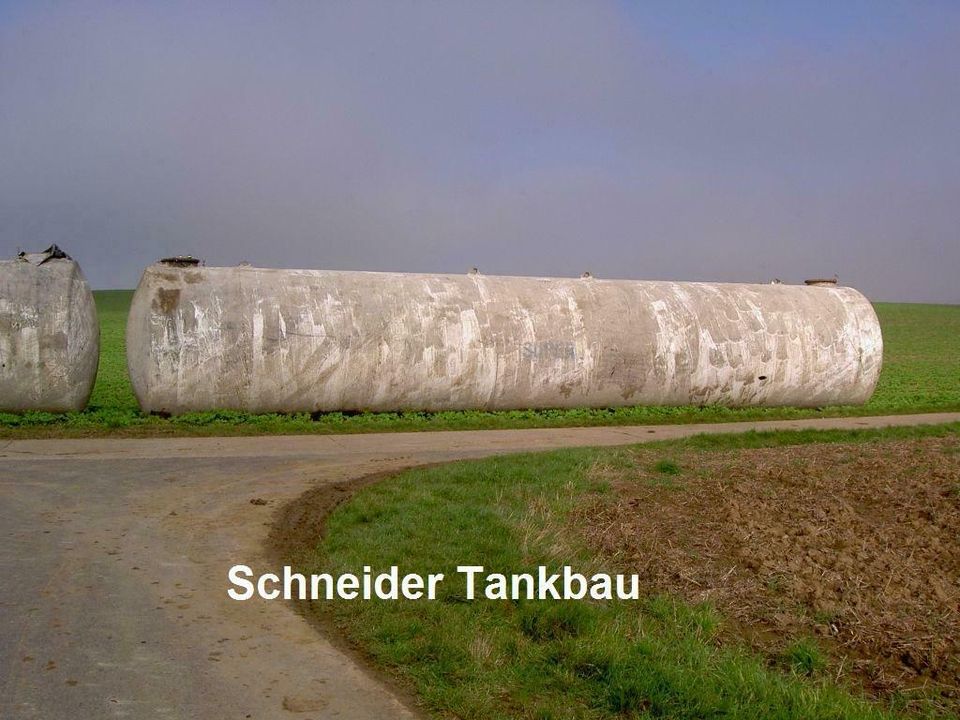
pixel 656 657
pixel 921 374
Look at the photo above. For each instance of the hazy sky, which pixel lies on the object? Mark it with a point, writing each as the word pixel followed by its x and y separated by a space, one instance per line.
pixel 674 140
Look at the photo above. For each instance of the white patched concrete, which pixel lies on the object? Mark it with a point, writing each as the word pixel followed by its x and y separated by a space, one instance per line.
pixel 49 335
pixel 298 340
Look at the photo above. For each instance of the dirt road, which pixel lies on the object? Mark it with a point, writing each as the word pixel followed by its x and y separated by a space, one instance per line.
pixel 115 554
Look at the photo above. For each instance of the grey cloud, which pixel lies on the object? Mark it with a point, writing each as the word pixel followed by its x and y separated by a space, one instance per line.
pixel 522 138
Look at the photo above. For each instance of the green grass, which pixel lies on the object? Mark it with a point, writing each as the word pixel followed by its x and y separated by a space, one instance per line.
pixel 113 390
pixel 667 467
pixel 921 374
pixel 656 657
pixel 803 657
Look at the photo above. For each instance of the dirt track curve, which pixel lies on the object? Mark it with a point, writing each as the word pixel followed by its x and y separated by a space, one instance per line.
pixel 115 553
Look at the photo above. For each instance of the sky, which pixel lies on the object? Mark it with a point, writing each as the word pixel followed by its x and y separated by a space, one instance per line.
pixel 735 141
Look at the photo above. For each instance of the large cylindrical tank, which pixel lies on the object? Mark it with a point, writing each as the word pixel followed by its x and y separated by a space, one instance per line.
pixel 260 340
pixel 49 335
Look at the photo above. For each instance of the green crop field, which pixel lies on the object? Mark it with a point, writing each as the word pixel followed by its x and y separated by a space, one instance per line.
pixel 921 373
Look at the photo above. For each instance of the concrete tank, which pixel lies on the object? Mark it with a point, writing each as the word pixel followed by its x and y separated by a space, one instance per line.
pixel 261 340
pixel 49 335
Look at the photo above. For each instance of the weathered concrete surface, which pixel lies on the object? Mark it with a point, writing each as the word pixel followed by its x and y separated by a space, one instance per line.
pixel 49 335
pixel 114 557
pixel 200 338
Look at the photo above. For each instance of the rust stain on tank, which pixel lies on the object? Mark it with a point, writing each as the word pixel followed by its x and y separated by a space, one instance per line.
pixel 166 300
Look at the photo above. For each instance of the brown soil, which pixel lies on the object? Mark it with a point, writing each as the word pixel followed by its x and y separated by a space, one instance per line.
pixel 855 545
pixel 299 525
